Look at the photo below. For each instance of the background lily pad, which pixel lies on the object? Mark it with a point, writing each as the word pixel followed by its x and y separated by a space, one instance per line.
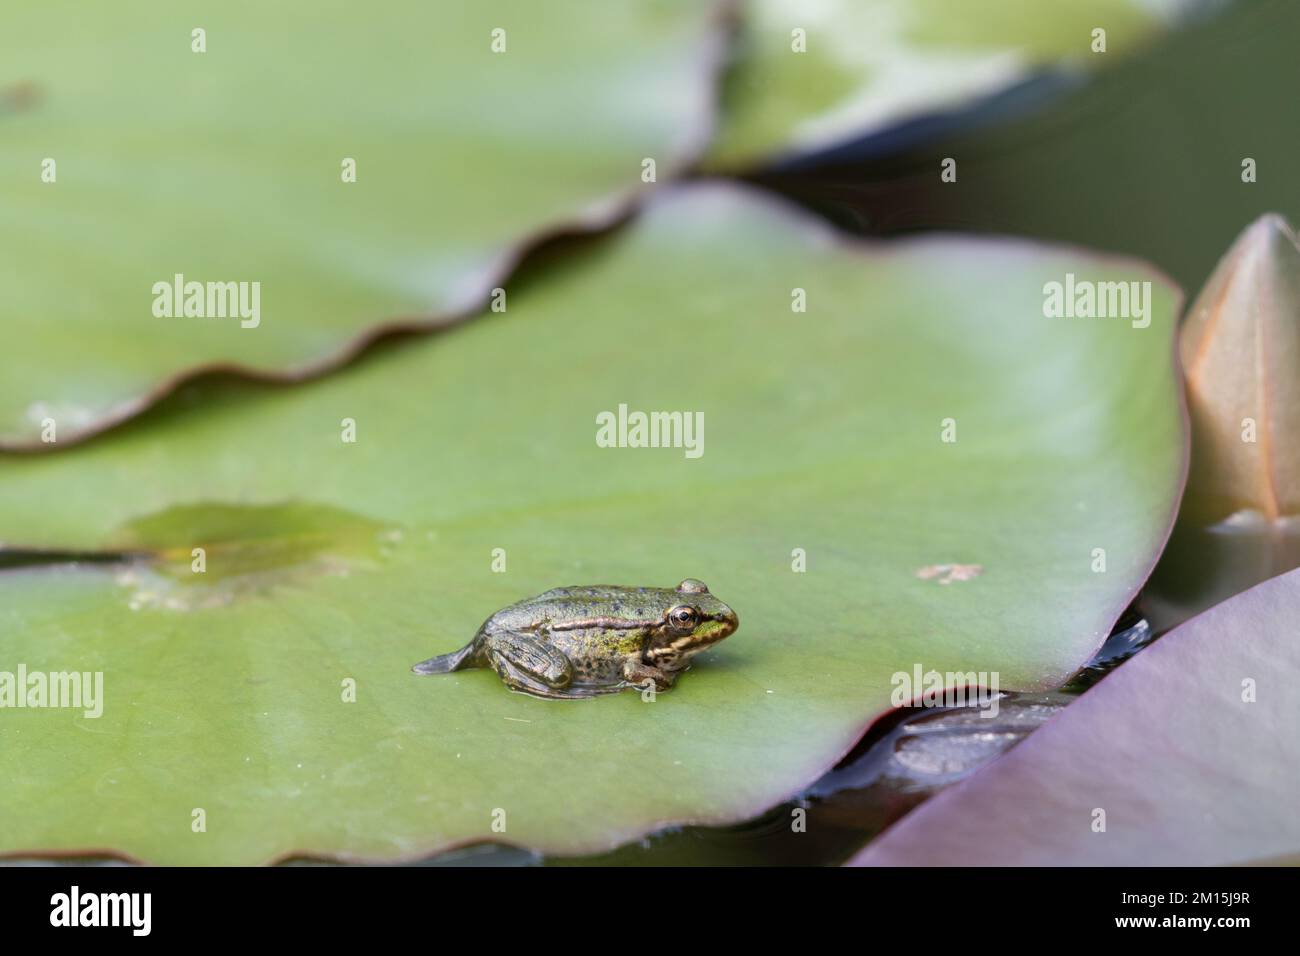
pixel 1147 158
pixel 1188 771
pixel 223 690
pixel 226 165
pixel 868 64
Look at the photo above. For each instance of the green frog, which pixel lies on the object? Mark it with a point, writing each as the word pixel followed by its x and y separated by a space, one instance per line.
pixel 582 641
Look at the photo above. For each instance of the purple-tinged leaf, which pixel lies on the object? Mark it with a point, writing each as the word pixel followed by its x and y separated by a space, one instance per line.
pixel 1188 755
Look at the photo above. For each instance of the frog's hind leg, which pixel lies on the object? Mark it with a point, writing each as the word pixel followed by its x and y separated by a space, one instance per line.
pixel 468 656
pixel 522 682
pixel 528 665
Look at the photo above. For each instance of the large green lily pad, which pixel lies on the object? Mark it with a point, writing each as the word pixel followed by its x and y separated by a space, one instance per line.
pixel 867 64
pixel 228 166
pixel 1185 756
pixel 329 560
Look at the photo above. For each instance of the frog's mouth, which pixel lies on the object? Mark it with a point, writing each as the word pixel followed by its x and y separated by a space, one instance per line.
pixel 714 629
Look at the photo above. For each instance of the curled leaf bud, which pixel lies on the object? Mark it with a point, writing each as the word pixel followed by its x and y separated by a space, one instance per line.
pixel 1240 348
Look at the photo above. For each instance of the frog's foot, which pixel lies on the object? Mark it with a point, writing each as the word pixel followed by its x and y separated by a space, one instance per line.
pixel 636 673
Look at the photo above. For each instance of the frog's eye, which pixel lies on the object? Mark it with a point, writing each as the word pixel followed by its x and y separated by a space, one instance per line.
pixel 683 617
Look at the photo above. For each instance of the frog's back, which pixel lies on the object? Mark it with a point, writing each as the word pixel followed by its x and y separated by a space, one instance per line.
pixel 569 604
pixel 594 593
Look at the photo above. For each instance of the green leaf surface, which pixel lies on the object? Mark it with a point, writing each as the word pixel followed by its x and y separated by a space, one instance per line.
pixel 328 560
pixel 1190 749
pixel 227 166
pixel 868 64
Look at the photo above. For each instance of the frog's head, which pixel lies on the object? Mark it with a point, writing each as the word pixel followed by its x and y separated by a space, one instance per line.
pixel 693 621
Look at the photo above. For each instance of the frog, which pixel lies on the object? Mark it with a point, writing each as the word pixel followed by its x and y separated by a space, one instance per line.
pixel 578 642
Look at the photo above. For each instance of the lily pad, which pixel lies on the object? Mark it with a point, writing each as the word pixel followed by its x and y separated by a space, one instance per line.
pixel 1189 749
pixel 131 158
pixel 868 64
pixel 824 444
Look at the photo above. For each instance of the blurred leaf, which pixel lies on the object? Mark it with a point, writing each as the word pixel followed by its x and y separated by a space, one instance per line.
pixel 872 63
pixel 1188 772
pixel 823 434
pixel 227 166
pixel 1111 165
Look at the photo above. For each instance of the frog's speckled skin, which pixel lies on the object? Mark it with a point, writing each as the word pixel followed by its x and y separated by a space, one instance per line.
pixel 582 641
